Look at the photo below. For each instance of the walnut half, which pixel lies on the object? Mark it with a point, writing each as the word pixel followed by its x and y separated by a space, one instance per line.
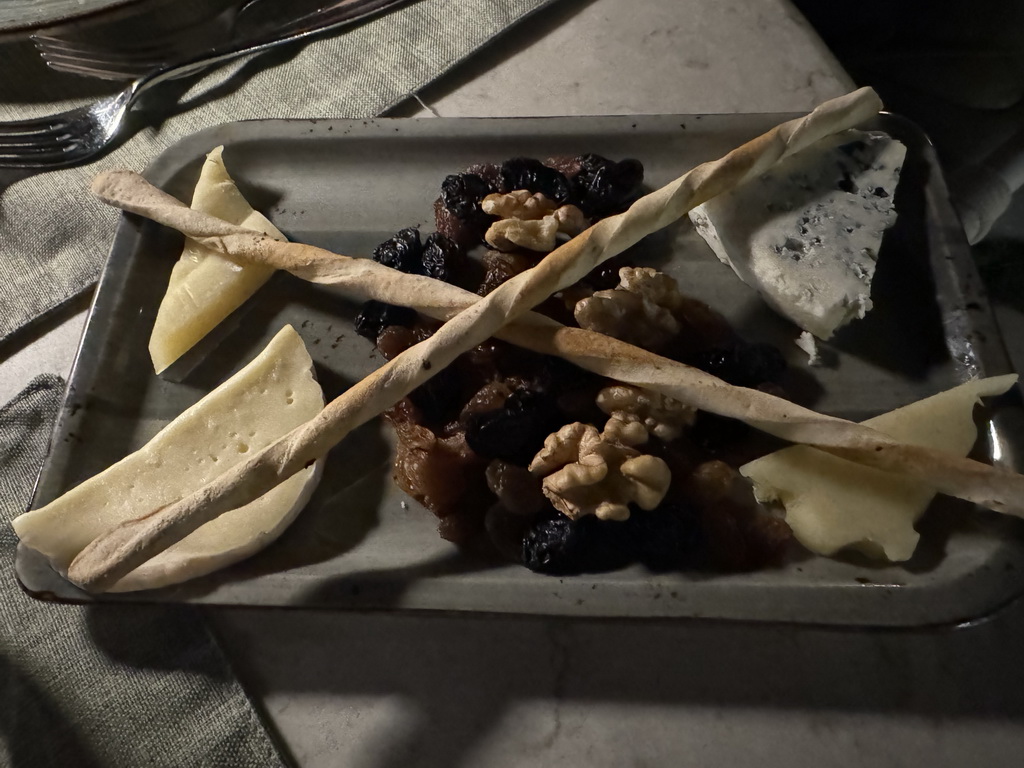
pixel 533 234
pixel 530 221
pixel 639 310
pixel 663 417
pixel 590 473
pixel 519 204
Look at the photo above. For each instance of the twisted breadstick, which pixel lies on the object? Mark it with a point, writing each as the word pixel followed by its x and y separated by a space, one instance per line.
pixel 124 548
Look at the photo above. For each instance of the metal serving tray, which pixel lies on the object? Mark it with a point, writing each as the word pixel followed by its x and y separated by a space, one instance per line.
pixel 362 544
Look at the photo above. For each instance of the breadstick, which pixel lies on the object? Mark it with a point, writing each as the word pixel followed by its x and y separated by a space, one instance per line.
pixel 116 553
pixel 591 351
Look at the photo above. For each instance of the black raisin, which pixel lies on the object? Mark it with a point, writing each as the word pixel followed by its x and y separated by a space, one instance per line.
pixel 401 252
pixel 741 364
pixel 375 316
pixel 556 545
pixel 489 172
pixel 515 432
pixel 533 175
pixel 603 187
pixel 605 276
pixel 439 397
pixel 715 434
pixel 441 257
pixel 461 194
pixel 666 538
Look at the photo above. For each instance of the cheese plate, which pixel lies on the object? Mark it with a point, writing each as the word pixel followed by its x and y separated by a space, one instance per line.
pixel 362 544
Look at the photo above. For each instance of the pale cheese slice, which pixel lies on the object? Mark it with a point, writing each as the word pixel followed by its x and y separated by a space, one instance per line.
pixel 832 504
pixel 273 394
pixel 205 287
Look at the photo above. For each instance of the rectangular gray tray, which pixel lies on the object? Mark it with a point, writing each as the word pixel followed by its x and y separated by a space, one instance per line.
pixel 362 544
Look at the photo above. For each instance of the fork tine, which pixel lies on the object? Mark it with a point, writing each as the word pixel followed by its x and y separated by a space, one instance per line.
pixel 29 128
pixel 40 145
pixel 44 158
pixel 108 67
pixel 33 141
pixel 45 123
pixel 109 70
pixel 106 56
pixel 75 48
pixel 51 144
pixel 88 60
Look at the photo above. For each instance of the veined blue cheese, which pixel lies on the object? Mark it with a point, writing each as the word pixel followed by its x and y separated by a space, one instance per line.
pixel 806 234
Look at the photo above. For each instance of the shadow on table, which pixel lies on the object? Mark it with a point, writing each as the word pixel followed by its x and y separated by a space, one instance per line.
pixel 457 678
pixel 41 734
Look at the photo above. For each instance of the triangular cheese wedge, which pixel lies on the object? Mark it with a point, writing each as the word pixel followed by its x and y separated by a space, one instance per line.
pixel 205 287
pixel 833 504
pixel 806 234
pixel 272 395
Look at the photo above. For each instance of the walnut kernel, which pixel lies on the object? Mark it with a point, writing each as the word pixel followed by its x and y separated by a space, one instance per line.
pixel 663 417
pixel 639 310
pixel 590 473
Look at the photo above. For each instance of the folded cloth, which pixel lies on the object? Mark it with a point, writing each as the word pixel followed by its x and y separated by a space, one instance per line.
pixel 54 237
pixel 111 685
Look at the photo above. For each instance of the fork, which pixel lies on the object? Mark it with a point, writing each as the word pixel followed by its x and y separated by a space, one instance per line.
pixel 117 50
pixel 68 138
pixel 121 56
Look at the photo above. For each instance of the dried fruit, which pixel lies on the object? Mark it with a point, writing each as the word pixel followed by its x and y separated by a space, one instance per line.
pixel 717 434
pixel 393 340
pixel 375 316
pixel 401 251
pixel 742 364
pixel 556 545
pixel 739 535
pixel 602 187
pixel 440 258
pixel 457 212
pixel 500 267
pixel 533 175
pixel 665 539
pixel 496 405
pixel 516 431
pixel 461 194
pixel 455 229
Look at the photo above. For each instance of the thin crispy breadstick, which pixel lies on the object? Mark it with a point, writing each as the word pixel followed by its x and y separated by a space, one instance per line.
pixel 591 351
pixel 116 553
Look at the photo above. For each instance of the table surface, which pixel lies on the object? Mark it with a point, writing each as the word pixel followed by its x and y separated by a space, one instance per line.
pixel 388 690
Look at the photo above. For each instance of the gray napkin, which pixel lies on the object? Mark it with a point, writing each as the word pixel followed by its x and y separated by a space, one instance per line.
pixel 54 237
pixel 105 685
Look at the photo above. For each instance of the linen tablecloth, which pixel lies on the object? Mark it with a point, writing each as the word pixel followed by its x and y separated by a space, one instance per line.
pixel 105 685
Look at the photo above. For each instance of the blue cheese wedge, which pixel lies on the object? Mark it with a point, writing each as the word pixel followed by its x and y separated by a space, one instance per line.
pixel 833 504
pixel 806 234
